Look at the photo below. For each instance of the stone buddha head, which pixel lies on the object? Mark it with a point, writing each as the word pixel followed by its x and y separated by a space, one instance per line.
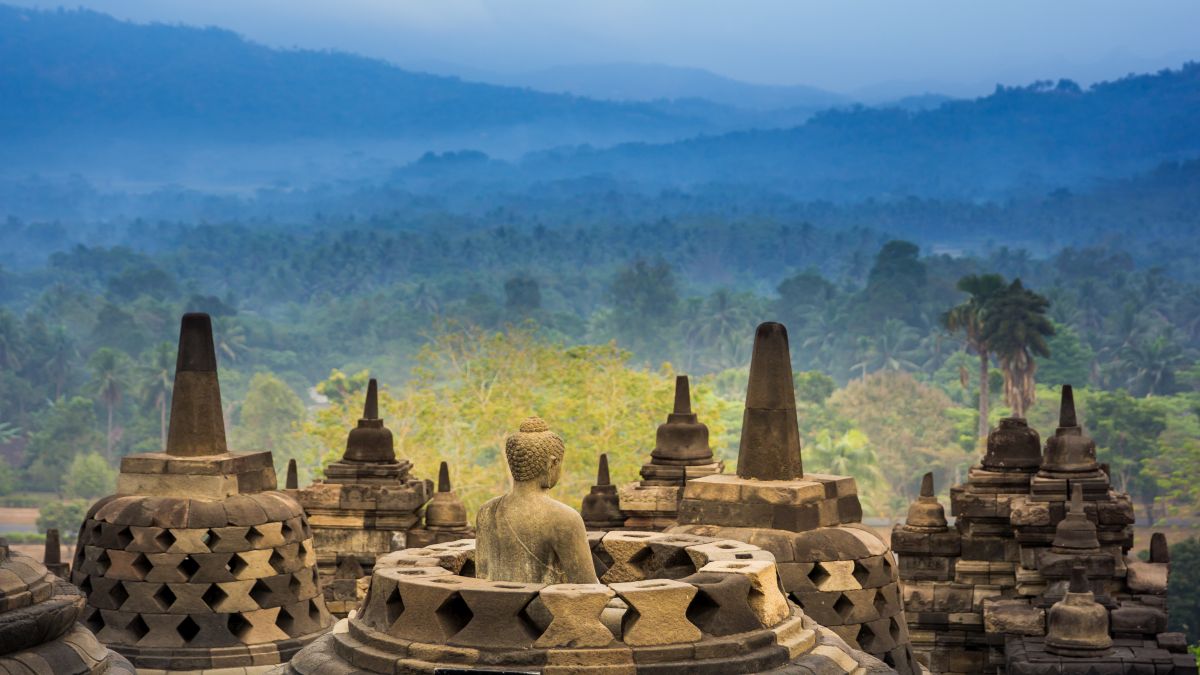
pixel 535 454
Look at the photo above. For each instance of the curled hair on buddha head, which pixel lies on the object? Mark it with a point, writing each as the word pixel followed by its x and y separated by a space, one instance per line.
pixel 531 449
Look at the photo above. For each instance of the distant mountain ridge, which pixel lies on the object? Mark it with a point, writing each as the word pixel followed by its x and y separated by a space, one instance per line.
pixel 650 82
pixel 69 70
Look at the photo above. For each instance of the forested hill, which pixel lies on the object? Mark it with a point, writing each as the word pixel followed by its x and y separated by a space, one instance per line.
pixel 1040 136
pixel 88 73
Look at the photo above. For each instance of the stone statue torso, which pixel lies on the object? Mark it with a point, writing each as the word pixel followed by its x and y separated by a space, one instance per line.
pixel 532 538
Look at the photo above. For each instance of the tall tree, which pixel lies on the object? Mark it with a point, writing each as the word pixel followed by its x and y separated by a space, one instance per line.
pixel 108 374
pixel 1015 327
pixel 158 381
pixel 967 318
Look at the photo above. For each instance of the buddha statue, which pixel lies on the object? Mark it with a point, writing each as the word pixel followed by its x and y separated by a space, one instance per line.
pixel 526 536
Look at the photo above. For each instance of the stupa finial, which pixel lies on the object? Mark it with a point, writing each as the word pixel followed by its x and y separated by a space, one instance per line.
pixel 292 482
pixel 602 477
pixel 683 395
pixel 371 405
pixel 443 477
pixel 770 445
pixel 197 426
pixel 1066 408
pixel 927 484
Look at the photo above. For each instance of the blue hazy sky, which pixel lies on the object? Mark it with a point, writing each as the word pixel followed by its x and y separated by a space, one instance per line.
pixel 953 46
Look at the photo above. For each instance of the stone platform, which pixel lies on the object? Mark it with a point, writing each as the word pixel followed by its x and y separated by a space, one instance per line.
pixel 666 604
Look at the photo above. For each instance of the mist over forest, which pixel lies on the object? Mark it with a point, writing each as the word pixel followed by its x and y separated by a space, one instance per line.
pixel 339 216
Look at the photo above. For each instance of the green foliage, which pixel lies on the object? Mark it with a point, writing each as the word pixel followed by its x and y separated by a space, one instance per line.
pixel 67 427
pixel 1184 588
pixel 645 300
pixel 66 515
pixel 89 477
pixel 1070 360
pixel 8 478
pixel 269 419
pixel 812 386
pixel 1126 431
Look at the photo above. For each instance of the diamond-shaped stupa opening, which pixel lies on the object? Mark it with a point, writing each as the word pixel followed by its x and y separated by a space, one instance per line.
pixel 188 567
pixel 118 594
pixel 214 596
pixel 394 606
pixel 284 621
pixel 238 625
pixel 137 627
pixel 124 538
pixel 165 540
pixel 188 629
pixel 164 597
pixel 843 606
pixel 818 575
pixel 260 593
pixel 453 614
pixel 141 565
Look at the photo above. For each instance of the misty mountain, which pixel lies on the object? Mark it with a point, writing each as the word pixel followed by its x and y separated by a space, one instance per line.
pixel 1041 136
pixel 85 73
pixel 650 82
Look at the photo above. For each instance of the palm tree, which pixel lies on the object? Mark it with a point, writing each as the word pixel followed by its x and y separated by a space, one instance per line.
pixel 230 337
pixel 967 318
pixel 108 372
pixel 1015 327
pixel 1151 363
pixel 892 348
pixel 58 364
pixel 159 374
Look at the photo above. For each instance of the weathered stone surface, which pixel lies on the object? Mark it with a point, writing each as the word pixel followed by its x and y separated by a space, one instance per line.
pixel 766 599
pixel 630 553
pixel 498 617
pixel 526 536
pixel 722 603
pixel 770 445
pixel 657 613
pixel 575 610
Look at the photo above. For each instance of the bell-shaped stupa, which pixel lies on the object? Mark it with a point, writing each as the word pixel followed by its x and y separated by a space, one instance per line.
pixel 445 516
pixel 366 498
pixel 601 507
pixel 838 570
pixel 40 632
pixel 198 563
pixel 681 452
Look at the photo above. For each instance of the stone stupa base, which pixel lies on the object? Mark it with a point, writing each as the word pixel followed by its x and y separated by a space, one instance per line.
pixel 838 570
pixel 423 614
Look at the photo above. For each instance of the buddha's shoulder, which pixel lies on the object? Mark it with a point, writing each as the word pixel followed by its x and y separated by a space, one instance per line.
pixel 559 510
pixel 489 507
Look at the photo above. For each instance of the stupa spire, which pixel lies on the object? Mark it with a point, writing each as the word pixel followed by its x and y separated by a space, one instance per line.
pixel 1066 408
pixel 197 426
pixel 371 405
pixel 683 395
pixel 444 477
pixel 370 441
pixel 292 482
pixel 770 445
pixel 602 477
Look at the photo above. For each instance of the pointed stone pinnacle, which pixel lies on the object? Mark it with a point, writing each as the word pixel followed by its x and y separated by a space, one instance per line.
pixel 197 426
pixel 1076 505
pixel 443 477
pixel 770 445
pixel 1079 582
pixel 293 478
pixel 683 395
pixel 53 552
pixel 371 407
pixel 602 472
pixel 196 351
pixel 1159 552
pixel 1066 410
pixel 927 485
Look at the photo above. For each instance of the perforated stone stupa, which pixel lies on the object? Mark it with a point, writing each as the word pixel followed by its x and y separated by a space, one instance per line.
pixel 1034 578
pixel 528 600
pixel 838 570
pixel 681 452
pixel 366 498
pixel 39 629
pixel 197 562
